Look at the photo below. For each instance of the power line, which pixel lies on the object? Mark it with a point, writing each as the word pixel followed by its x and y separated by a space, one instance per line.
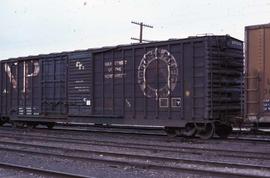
pixel 141 24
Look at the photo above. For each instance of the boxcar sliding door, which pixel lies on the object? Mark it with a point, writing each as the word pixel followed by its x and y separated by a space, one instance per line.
pixel 54 85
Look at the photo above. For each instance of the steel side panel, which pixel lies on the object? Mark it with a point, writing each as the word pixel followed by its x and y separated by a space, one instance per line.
pixel 126 85
pixel 119 85
pixel 266 78
pixel 79 84
pixel 258 72
pixel 253 69
pixel 188 81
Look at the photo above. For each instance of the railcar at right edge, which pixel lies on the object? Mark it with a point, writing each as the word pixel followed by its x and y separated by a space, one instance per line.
pixel 257 75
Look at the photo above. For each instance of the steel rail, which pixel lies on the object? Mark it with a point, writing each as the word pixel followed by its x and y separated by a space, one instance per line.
pixel 154 162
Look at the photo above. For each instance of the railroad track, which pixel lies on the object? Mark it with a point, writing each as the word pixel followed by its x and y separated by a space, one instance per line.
pixel 39 171
pixel 141 146
pixel 159 131
pixel 150 136
pixel 217 168
pixel 241 135
pixel 153 132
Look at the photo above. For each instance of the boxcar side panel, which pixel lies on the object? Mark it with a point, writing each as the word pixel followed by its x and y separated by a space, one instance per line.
pixel 80 84
pixel 161 84
pixel 20 89
pixel 168 83
pixel 54 86
pixel 257 73
pixel 225 72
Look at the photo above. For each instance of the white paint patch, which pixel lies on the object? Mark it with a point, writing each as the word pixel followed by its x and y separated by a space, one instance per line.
pixel 162 55
pixel 88 102
pixel 79 65
pixel 163 102
pixel 26 73
pixel 128 103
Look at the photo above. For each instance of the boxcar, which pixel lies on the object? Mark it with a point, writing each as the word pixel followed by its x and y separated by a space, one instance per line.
pixel 189 86
pixel 257 83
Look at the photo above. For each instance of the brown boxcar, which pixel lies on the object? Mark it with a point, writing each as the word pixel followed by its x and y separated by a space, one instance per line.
pixel 192 83
pixel 257 68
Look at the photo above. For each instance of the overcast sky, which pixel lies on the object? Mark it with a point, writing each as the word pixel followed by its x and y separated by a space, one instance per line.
pixel 30 27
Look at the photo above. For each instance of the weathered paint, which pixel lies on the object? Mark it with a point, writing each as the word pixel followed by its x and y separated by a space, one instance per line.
pixel 167 83
pixel 257 73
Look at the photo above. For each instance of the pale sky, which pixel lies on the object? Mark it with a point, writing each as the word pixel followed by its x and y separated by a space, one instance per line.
pixel 31 27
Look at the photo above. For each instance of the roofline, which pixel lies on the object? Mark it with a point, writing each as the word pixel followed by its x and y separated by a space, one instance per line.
pixel 251 27
pixel 105 48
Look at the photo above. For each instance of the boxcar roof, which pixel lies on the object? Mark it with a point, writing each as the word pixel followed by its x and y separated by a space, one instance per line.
pixel 105 48
pixel 257 26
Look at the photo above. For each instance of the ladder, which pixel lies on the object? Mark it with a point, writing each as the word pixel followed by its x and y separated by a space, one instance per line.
pixel 248 93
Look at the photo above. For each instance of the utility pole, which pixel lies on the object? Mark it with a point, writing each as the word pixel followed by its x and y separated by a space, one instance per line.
pixel 141 31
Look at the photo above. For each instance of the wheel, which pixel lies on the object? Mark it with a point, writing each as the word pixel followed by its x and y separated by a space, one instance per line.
pixel 207 132
pixel 190 130
pixel 50 125
pixel 223 130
